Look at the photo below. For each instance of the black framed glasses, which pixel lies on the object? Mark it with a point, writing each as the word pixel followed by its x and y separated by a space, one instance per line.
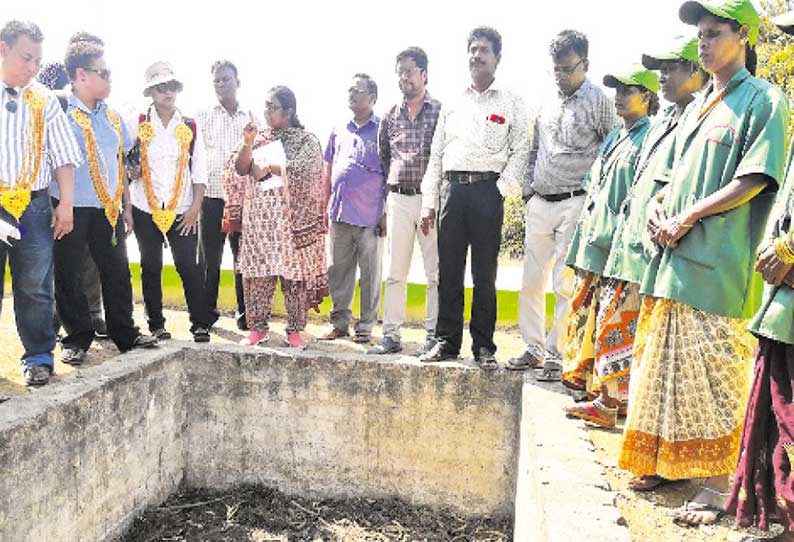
pixel 11 105
pixel 567 70
pixel 104 73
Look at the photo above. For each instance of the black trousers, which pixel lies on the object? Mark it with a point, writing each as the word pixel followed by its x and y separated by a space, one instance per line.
pixel 92 230
pixel 211 243
pixel 234 241
pixel 470 216
pixel 184 251
pixel 92 289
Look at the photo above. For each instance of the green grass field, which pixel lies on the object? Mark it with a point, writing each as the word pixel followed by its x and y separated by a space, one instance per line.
pixel 507 302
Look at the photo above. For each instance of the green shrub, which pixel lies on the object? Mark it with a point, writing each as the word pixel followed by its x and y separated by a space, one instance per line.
pixel 513 228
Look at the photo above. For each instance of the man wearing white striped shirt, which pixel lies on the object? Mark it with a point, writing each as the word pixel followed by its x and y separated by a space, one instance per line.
pixel 25 171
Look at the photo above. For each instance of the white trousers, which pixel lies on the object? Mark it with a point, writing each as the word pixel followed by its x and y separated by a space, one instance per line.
pixel 549 229
pixel 403 217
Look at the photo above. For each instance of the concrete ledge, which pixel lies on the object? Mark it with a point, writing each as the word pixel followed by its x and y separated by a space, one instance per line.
pixel 81 458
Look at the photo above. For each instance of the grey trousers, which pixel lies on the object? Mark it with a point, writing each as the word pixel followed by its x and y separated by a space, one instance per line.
pixel 352 247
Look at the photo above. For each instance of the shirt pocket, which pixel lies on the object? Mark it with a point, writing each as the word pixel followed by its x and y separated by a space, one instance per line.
pixel 402 138
pixel 495 132
pixel 702 243
pixel 574 131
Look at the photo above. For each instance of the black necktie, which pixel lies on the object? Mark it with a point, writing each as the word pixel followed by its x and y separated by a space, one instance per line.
pixel 11 105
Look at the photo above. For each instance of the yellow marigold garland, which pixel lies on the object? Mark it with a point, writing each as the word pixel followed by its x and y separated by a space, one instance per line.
pixel 163 218
pixel 15 199
pixel 111 206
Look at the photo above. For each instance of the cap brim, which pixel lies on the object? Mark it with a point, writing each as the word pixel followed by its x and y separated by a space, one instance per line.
pixel 692 11
pixel 654 62
pixel 785 22
pixel 613 81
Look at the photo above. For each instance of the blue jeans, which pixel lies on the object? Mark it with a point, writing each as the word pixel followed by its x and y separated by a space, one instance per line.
pixel 32 282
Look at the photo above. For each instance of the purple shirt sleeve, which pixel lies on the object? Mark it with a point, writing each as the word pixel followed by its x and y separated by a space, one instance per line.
pixel 330 148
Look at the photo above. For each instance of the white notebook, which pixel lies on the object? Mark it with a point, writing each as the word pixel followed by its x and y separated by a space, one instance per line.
pixel 272 153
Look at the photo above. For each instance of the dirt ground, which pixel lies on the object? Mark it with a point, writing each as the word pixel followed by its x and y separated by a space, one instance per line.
pixel 647 515
pixel 253 514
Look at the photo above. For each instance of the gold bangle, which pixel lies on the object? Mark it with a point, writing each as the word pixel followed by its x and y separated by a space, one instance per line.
pixel 783 251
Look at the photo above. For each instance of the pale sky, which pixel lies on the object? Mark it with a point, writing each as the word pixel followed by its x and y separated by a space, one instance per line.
pixel 315 47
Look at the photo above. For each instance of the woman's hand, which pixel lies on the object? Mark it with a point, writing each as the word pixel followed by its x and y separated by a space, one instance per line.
pixel 250 130
pixel 771 267
pixel 674 228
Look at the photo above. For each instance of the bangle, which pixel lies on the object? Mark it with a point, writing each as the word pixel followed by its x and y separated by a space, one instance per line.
pixel 783 251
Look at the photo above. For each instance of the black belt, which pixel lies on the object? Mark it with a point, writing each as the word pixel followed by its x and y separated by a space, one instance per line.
pixel 471 177
pixel 402 190
pixel 563 196
pixel 39 193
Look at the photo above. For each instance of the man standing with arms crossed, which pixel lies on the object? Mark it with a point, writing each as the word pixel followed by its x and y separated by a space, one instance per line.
pixel 406 133
pixel 568 133
pixel 479 151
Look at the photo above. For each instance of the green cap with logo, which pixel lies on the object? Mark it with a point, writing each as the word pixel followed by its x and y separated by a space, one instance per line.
pixel 741 11
pixel 785 22
pixel 682 48
pixel 636 75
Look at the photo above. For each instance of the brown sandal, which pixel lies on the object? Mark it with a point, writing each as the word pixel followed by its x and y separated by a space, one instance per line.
pixel 594 412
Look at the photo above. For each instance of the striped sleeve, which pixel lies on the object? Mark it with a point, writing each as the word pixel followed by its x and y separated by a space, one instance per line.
pixel 60 143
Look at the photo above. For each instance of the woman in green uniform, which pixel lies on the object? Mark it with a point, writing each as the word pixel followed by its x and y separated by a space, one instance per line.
pixel 763 488
pixel 681 76
pixel 692 349
pixel 602 315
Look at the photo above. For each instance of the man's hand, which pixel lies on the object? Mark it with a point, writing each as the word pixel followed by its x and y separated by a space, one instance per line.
pixel 129 223
pixel 62 221
pixel 381 229
pixel 428 219
pixel 188 222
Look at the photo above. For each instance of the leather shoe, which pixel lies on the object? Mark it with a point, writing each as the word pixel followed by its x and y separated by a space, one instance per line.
pixel 437 353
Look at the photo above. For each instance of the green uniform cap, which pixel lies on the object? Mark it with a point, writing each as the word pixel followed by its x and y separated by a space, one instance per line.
pixel 785 22
pixel 636 75
pixel 741 11
pixel 682 48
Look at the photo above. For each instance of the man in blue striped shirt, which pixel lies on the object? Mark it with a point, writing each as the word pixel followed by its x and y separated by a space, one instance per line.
pixel 25 170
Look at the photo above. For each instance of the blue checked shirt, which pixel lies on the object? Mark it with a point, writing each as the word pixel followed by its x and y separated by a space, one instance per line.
pixel 60 147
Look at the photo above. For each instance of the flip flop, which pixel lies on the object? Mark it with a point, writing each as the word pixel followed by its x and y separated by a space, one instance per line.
pixel 656 483
pixel 697 507
pixel 594 412
pixel 552 372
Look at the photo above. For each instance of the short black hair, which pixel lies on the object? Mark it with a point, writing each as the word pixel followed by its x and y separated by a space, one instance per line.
pixel 12 30
pixel 490 34
pixel 82 50
pixel 417 54
pixel 224 64
pixel 569 41
pixel 53 76
pixel 372 87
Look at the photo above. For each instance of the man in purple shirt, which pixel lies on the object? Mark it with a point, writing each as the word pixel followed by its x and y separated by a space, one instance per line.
pixel 353 184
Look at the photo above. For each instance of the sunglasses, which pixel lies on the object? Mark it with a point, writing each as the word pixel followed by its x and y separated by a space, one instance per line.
pixel 104 73
pixel 168 86
pixel 11 105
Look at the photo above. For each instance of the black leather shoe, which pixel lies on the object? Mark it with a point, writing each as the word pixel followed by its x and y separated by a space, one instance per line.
pixel 486 359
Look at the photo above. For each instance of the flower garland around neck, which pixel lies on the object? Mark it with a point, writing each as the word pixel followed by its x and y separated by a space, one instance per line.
pixel 111 206
pixel 15 199
pixel 164 217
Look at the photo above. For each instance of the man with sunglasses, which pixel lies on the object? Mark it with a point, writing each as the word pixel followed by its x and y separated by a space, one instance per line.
pixel 567 134
pixel 353 188
pixel 24 190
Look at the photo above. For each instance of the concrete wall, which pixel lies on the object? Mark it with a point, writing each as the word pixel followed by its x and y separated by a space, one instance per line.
pixel 432 435
pixel 79 459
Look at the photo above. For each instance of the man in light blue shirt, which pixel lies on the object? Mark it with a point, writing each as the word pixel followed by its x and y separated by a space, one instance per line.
pixel 102 137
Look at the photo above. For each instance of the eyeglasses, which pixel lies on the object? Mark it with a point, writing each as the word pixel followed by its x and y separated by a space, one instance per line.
pixel 407 72
pixel 567 70
pixel 11 105
pixel 271 107
pixel 104 73
pixel 168 86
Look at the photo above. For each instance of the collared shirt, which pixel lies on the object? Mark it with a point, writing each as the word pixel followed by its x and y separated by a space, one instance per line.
pixel 609 181
pixel 632 248
pixel 404 143
pixel 568 133
pixel 107 144
pixel 711 268
pixel 163 158
pixel 357 182
pixel 59 148
pixel 479 131
pixel 222 134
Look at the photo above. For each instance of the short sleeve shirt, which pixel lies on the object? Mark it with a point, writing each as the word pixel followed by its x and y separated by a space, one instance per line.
pixel 609 181
pixel 744 133
pixel 632 247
